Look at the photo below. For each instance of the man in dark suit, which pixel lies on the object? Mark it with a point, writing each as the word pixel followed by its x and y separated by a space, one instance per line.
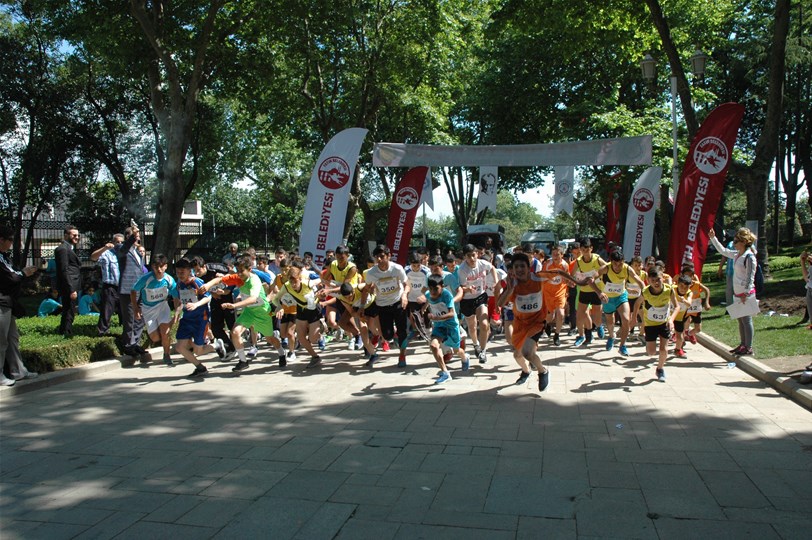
pixel 68 278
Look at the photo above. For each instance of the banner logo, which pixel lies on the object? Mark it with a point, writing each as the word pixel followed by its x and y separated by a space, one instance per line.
pixel 711 155
pixel 334 173
pixel 563 187
pixel 643 200
pixel 407 198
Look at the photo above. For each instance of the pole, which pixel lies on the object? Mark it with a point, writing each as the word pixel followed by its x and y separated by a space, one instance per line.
pixel 425 244
pixel 675 166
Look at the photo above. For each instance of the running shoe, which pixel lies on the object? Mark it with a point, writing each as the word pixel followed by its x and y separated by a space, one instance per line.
pixel 314 362
pixel 556 340
pixel 482 357
pixel 199 371
pixel 372 360
pixel 220 347
pixel 444 377
pixel 466 364
pixel 291 356
pixel 283 359
pixel 660 374
pixel 351 345
pixel 544 380
pixel 579 341
pixel 692 338
pixel 523 378
pixel 610 343
pixel 359 343
pixel 240 366
pixel 385 346
pixel 402 360
pixel 252 352
pixel 680 353
pixel 623 350
pixel 168 361
pixel 601 332
pixel 322 344
pixel 285 343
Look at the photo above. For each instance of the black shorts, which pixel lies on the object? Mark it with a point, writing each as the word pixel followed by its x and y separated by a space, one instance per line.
pixel 679 326
pixel 371 310
pixel 468 307
pixel 696 318
pixel 589 297
pixel 309 315
pixel 288 318
pixel 658 331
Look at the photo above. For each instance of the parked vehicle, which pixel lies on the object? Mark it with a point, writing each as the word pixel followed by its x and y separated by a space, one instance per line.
pixel 489 236
pixel 539 238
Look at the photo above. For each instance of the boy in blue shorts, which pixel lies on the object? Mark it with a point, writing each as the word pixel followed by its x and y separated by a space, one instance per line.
pixel 149 298
pixel 193 327
pixel 445 329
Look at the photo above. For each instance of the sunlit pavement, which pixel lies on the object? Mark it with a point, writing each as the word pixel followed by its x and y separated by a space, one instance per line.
pixel 348 452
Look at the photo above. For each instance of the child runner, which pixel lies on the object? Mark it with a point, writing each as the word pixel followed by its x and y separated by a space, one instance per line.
pixel 308 314
pixel 586 266
pixel 633 290
pixel 555 291
pixel 149 298
pixel 659 304
pixel 388 281
pixel 452 285
pixel 700 299
pixel 418 278
pixel 474 306
pixel 192 329
pixel 256 309
pixel 445 330
pixel 350 298
pixel 684 295
pixel 613 285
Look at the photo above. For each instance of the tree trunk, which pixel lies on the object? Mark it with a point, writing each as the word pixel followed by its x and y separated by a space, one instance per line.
pixel 172 188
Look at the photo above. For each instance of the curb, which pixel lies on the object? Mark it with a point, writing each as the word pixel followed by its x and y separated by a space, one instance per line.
pixel 788 386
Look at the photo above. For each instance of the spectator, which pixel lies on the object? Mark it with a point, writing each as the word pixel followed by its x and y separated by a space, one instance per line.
pixel 107 256
pixel 726 266
pixel 50 304
pixel 87 302
pixel 744 275
pixel 131 268
pixel 68 278
pixel 230 258
pixel 10 309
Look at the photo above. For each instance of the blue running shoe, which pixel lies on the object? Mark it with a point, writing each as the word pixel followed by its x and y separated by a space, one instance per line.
pixel 466 363
pixel 444 376
pixel 372 359
pixel 601 332
pixel 610 343
pixel 579 341
pixel 623 351
pixel 322 344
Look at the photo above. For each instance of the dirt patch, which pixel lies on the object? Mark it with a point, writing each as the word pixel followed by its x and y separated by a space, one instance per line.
pixel 793 305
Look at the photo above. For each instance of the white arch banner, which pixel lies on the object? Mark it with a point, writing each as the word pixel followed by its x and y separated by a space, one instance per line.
pixel 622 151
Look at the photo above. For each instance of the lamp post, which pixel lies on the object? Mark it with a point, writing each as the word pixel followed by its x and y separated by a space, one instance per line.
pixel 648 66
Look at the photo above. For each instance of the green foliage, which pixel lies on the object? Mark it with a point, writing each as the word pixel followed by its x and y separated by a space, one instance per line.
pixel 515 216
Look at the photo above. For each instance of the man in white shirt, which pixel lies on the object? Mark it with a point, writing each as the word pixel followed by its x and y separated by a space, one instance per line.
pixel 473 275
pixel 391 289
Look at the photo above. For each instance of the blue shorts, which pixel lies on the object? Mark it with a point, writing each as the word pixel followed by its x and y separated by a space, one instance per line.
pixel 507 314
pixel 194 329
pixel 447 335
pixel 613 303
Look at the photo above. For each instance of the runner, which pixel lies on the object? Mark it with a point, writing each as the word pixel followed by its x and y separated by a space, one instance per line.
pixel 586 266
pixel 684 298
pixel 445 330
pixel 659 305
pixel 308 315
pixel 612 285
pixel 149 298
pixel 555 291
pixel 700 299
pixel 473 274
pixel 391 288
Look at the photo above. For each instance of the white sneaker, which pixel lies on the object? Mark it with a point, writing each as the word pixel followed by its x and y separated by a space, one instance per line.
pixel 339 335
pixel 252 352
pixel 220 348
pixel 291 356
pixel 351 346
pixel 7 382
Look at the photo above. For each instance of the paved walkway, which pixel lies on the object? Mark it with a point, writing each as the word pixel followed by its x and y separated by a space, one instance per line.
pixel 345 452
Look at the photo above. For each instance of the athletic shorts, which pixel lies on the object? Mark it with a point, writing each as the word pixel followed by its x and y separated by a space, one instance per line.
pixel 261 321
pixel 288 318
pixel 154 316
pixel 371 311
pixel 493 310
pixel 194 329
pixel 468 307
pixel 657 331
pixel 679 326
pixel 447 335
pixel 309 315
pixel 696 318
pixel 507 314
pixel 613 303
pixel 589 297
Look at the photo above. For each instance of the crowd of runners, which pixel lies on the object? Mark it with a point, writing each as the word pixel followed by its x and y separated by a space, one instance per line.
pixel 456 304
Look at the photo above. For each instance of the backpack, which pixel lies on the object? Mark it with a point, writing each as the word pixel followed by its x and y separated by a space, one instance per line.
pixel 758 281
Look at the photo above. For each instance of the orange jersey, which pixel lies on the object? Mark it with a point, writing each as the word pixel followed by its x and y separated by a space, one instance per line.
pixel 555 289
pixel 528 310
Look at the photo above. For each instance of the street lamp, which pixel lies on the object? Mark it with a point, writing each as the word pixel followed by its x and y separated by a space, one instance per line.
pixel 648 65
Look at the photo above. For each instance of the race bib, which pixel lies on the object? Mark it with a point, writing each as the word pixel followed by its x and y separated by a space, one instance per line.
pixel 613 288
pixel 556 280
pixel 696 306
pixel 658 315
pixel 287 300
pixel 156 295
pixel 438 309
pixel 527 303
pixel 387 287
pixel 187 295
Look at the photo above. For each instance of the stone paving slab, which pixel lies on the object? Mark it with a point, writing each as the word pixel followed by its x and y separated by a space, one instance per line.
pixel 348 452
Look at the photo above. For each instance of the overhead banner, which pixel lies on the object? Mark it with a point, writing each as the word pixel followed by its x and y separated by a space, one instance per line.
pixel 700 187
pixel 622 151
pixel 488 180
pixel 328 194
pixel 402 213
pixel 639 236
pixel 564 188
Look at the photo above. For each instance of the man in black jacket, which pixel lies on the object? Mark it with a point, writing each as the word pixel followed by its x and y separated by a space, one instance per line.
pixel 10 309
pixel 68 278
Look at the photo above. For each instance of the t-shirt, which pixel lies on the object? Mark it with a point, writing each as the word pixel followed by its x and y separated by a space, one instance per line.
pixel 418 280
pixel 490 283
pixel 388 283
pixel 251 287
pixel 86 305
pixel 656 306
pixel 584 269
pixel 441 306
pixel 555 285
pixel 263 276
pixel 340 275
pixel 187 292
pixel 152 291
pixel 474 277
pixel 48 306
